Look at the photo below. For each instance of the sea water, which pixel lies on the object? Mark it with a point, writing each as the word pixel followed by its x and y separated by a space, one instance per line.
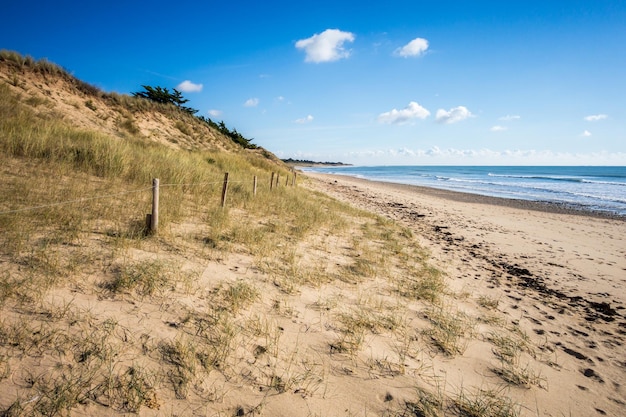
pixel 595 188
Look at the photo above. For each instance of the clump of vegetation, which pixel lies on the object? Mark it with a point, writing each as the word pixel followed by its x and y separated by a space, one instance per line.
pixel 449 330
pixel 509 349
pixel 146 277
pixel 485 403
pixel 163 95
pixel 235 136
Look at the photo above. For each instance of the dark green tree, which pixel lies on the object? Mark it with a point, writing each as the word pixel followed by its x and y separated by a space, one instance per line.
pixel 234 135
pixel 164 96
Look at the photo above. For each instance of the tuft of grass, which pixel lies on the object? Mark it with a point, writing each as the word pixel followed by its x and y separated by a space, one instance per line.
pixel 181 353
pixel 360 268
pixel 385 367
pixel 485 403
pixel 90 105
pixel 57 396
pixel 488 302
pixel 216 336
pixel 493 320
pixel 356 323
pixel 303 379
pixel 507 348
pixel 184 128
pixel 425 283
pixel 144 277
pixel 520 375
pixel 509 351
pixel 449 329
pixel 427 405
pixel 233 297
pixel 134 388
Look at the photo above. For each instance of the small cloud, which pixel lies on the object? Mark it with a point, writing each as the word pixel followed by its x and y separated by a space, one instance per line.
pixel 454 115
pixel 280 98
pixel 509 118
pixel 412 111
pixel 215 113
pixel 251 102
pixel 596 117
pixel 498 128
pixel 189 87
pixel 586 134
pixel 326 46
pixel 416 47
pixel 304 120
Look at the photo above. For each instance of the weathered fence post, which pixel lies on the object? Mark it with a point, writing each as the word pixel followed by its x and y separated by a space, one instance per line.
pixel 152 219
pixel 293 181
pixel 272 182
pixel 224 189
pixel 254 186
pixel 277 179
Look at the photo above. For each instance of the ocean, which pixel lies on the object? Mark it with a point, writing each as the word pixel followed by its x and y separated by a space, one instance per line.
pixel 593 188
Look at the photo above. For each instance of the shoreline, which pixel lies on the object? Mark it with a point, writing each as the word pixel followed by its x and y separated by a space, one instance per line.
pixel 558 274
pixel 465 197
pixel 516 232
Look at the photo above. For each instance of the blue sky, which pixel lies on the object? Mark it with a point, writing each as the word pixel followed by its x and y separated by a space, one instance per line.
pixel 369 83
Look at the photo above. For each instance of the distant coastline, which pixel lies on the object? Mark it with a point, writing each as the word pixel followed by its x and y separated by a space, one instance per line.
pixel 307 163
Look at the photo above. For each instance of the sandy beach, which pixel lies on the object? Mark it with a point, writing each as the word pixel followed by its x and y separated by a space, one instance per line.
pixel 559 275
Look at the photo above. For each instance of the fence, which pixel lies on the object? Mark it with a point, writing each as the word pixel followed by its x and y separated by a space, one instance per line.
pixel 152 218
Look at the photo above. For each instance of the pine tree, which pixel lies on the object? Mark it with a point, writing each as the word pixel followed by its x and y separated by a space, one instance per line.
pixel 164 96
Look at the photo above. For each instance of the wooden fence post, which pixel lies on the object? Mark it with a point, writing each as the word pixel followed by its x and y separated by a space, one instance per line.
pixel 293 181
pixel 277 179
pixel 254 186
pixel 152 219
pixel 272 182
pixel 224 189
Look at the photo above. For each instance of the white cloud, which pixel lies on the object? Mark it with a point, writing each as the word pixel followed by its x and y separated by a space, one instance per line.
pixel 498 128
pixel 586 133
pixel 509 118
pixel 326 46
pixel 412 111
pixel 416 47
pixel 304 120
pixel 454 115
pixel 251 102
pixel 215 113
pixel 189 87
pixel 596 117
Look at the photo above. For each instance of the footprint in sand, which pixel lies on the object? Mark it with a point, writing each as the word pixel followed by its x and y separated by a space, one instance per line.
pixel 577 355
pixel 590 373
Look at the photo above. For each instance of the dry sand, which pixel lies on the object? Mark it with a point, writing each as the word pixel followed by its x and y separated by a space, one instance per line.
pixel 560 275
